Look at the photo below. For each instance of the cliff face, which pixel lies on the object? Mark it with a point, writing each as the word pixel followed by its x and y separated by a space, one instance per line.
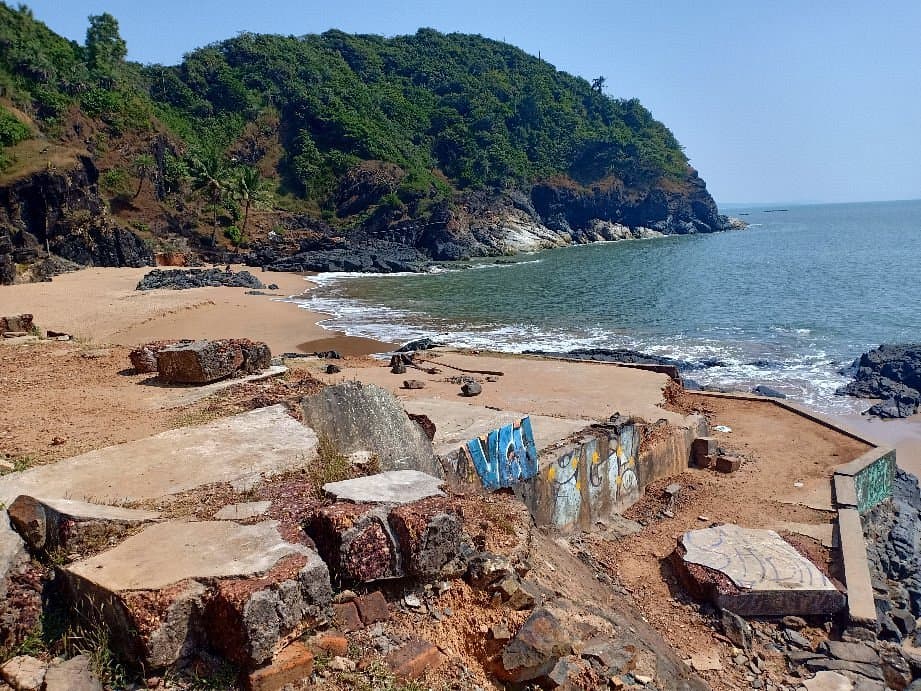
pixel 52 216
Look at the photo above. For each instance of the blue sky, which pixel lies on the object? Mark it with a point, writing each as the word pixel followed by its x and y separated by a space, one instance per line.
pixel 782 101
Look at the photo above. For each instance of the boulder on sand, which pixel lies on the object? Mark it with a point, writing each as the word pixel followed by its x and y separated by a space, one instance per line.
pixel 891 373
pixel 18 323
pixel 201 362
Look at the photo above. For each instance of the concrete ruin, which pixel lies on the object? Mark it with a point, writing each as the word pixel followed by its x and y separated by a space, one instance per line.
pixel 205 361
pixel 753 573
pixel 364 417
pixel 177 588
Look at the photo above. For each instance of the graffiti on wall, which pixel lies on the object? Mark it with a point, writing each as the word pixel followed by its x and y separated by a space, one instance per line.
pixel 873 484
pixel 593 479
pixel 504 456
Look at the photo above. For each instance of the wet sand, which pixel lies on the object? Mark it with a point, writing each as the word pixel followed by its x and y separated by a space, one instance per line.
pixel 904 435
pixel 101 305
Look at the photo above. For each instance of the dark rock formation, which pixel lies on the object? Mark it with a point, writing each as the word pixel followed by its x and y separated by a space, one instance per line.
pixel 569 207
pixel 334 254
pixel 182 279
pixel 893 535
pixel 890 372
pixel 61 214
pixel 420 344
pixel 767 391
pixel 628 356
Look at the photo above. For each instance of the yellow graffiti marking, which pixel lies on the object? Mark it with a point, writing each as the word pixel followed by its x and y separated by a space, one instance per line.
pixel 620 450
pixel 551 473
pixel 595 457
pixel 578 485
pixel 575 462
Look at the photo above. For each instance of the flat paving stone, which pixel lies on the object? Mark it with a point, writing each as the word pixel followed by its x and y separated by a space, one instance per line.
pixel 391 487
pixel 236 450
pixel 167 553
pixel 753 559
pixel 828 681
pixel 240 512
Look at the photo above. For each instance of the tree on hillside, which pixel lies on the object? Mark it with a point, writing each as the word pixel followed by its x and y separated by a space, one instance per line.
pixel 142 166
pixel 248 188
pixel 105 48
pixel 209 179
pixel 598 84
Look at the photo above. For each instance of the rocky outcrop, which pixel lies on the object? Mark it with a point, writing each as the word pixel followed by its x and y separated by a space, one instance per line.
pixel 553 213
pixel 183 279
pixel 60 214
pixel 891 373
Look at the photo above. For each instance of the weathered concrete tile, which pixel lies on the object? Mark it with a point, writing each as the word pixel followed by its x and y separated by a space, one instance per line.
pixel 391 487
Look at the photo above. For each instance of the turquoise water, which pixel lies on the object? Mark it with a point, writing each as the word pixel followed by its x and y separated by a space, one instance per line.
pixel 785 302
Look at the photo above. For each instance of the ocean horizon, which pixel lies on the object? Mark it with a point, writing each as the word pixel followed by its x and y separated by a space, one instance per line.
pixel 786 302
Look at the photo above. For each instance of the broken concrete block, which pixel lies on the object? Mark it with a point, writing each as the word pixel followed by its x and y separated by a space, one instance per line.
pixel 413 659
pixel 535 649
pixel 752 573
pixel 355 417
pixel 77 526
pixel 428 533
pixel 24 673
pixel 728 464
pixel 372 608
pixel 355 541
pixel 485 569
pixel 75 674
pixel 391 487
pixel 701 448
pixel 144 358
pixel 291 665
pixel 178 587
pixel 256 355
pixel 329 643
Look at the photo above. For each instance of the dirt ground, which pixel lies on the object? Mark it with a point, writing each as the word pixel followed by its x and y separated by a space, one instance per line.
pixel 778 448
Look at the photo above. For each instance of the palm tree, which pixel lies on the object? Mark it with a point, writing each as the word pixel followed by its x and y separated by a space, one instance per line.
pixel 209 179
pixel 249 190
pixel 143 166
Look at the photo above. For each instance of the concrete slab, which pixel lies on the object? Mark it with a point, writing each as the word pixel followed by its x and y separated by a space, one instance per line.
pixel 814 494
pixel 821 532
pixel 167 553
pixel 753 573
pixel 82 510
pixel 753 559
pixel 861 606
pixel 391 487
pixel 240 512
pixel 456 423
pixel 236 449
pixel 584 390
pixel 364 417
pixel 183 396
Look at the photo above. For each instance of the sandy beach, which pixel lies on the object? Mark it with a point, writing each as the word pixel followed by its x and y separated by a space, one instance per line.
pixel 101 305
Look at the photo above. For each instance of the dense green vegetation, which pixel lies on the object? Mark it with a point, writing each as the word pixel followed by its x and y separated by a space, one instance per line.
pixel 453 111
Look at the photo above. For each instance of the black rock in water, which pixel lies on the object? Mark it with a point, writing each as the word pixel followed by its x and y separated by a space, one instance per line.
pixel 890 372
pixel 763 390
pixel 621 355
pixel 420 344
pixel 183 279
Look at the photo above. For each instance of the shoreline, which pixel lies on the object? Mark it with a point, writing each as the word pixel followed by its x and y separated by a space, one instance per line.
pixel 110 311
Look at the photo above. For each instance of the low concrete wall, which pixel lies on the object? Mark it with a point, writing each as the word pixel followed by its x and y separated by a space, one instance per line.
pixel 585 481
pixel 666 450
pixel 871 474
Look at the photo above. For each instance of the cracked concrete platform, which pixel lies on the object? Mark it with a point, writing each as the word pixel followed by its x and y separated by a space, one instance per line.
pixel 167 553
pixel 236 450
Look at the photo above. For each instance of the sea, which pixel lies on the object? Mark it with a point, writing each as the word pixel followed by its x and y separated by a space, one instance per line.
pixel 786 302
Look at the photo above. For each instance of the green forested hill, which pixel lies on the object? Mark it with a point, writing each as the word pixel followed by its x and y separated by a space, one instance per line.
pixel 364 131
pixel 480 111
